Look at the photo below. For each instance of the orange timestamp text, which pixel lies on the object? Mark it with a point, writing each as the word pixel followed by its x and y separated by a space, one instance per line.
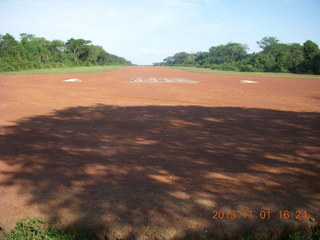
pixel 263 214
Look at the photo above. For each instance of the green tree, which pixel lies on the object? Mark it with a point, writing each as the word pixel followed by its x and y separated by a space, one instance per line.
pixel 310 50
pixel 295 58
pixel 183 58
pixel 12 54
pixel 35 52
pixel 267 43
pixel 258 62
pixel 27 36
pixel 231 52
pixel 316 64
pixel 7 42
pixel 180 58
pixel 89 53
pixel 75 46
pixel 280 52
pixel 202 59
pixel 168 61
pixel 274 57
pixel 56 47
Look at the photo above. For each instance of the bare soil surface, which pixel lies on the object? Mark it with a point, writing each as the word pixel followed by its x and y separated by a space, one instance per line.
pixel 150 160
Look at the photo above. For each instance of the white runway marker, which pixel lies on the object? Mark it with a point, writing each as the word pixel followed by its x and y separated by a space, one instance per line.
pixel 162 80
pixel 72 80
pixel 248 81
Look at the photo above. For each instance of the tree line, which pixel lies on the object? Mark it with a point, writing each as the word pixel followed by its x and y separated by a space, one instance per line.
pixel 274 57
pixel 32 52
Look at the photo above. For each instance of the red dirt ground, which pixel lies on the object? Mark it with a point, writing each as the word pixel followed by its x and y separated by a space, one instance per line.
pixel 153 160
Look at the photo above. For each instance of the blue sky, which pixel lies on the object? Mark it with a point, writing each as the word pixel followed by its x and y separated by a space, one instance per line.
pixel 147 31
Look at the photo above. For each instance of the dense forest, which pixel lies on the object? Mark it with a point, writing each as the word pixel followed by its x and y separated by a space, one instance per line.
pixel 274 57
pixel 33 52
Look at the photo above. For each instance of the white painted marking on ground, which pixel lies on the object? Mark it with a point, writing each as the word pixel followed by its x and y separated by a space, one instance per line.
pixel 72 80
pixel 248 81
pixel 162 80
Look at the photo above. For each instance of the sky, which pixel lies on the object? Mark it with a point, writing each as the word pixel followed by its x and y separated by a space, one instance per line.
pixel 147 31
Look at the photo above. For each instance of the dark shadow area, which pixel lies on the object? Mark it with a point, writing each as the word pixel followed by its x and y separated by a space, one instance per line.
pixel 162 170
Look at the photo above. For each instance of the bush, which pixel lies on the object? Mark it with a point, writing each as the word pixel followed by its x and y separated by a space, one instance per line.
pixel 247 68
pixel 316 64
pixel 39 229
pixel 226 67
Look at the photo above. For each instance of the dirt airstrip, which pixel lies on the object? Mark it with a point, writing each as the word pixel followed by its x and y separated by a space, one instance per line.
pixel 154 160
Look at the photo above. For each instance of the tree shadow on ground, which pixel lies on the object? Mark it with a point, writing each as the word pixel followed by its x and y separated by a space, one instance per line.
pixel 161 170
